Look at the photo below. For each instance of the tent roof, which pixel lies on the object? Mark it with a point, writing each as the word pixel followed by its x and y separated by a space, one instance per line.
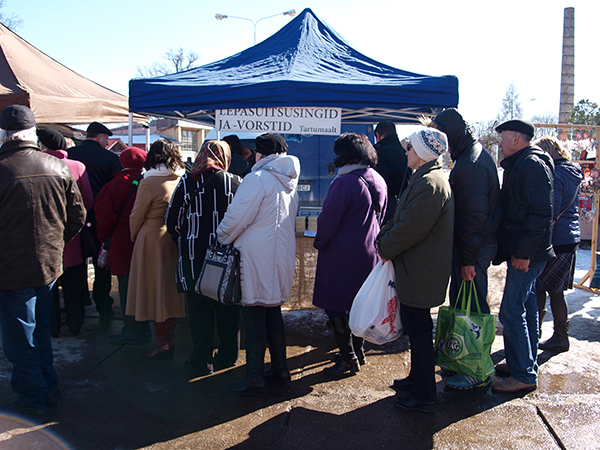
pixel 54 92
pixel 304 64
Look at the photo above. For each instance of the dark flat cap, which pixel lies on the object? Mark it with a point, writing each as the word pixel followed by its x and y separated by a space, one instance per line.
pixel 52 139
pixel 522 126
pixel 269 143
pixel 17 118
pixel 98 128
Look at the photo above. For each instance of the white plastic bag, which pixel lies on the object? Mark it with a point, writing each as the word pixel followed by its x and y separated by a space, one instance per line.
pixel 375 314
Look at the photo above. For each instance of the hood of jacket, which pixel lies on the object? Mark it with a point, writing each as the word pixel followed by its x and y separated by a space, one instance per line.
pixel 286 168
pixel 460 134
pixel 571 170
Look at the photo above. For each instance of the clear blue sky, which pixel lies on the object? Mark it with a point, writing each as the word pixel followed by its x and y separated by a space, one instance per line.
pixel 486 45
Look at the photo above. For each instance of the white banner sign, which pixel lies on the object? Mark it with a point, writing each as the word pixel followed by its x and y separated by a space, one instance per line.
pixel 292 120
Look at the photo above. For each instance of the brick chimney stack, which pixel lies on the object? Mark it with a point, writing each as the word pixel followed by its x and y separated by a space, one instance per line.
pixel 567 79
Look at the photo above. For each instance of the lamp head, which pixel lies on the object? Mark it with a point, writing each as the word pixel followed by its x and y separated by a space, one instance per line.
pixel 291 13
pixel 220 16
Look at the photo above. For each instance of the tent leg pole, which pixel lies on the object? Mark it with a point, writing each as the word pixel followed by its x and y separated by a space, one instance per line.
pixel 130 129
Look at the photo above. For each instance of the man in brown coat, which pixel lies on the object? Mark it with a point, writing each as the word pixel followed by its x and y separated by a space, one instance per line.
pixel 40 208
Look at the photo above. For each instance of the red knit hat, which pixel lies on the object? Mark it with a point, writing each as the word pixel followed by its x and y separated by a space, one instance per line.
pixel 133 158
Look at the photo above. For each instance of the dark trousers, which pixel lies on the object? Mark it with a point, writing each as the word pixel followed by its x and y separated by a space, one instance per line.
pixel 101 290
pixel 102 283
pixel 335 314
pixel 75 291
pixel 418 325
pixel 202 312
pixel 262 322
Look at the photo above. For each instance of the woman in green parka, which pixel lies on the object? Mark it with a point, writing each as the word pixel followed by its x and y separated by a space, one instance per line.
pixel 419 241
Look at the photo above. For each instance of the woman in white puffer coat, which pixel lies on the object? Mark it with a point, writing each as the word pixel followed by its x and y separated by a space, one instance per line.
pixel 260 222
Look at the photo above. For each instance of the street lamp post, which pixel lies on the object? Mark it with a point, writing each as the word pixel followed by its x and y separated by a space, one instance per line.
pixel 291 13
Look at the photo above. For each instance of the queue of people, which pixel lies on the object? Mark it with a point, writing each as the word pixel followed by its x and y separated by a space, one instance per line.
pixel 160 224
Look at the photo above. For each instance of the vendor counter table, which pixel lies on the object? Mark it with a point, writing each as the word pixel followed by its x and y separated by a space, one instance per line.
pixel 304 274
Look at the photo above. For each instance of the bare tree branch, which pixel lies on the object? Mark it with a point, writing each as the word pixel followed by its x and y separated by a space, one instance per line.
pixel 12 21
pixel 178 60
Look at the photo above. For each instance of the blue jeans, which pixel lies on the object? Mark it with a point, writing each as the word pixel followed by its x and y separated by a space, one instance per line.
pixel 484 258
pixel 25 321
pixel 519 316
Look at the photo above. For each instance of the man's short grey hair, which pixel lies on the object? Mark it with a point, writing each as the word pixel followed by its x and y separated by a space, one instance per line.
pixel 523 136
pixel 21 135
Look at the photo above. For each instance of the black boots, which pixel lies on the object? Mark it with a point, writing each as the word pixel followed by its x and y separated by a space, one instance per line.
pixel 343 338
pixel 541 315
pixel 559 342
pixel 279 372
pixel 358 345
pixel 254 383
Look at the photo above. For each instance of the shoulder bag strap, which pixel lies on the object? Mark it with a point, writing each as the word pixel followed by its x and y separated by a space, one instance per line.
pixel 565 210
pixel 375 204
pixel 134 185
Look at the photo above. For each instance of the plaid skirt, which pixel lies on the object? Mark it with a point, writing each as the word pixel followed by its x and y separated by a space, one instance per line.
pixel 558 274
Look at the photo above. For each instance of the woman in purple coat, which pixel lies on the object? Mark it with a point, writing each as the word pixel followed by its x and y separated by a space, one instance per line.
pixel 346 232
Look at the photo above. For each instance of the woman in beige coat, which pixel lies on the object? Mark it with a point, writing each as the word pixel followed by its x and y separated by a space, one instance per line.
pixel 152 291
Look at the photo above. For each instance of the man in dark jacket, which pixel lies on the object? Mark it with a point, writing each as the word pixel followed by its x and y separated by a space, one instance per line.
pixel 239 165
pixel 524 242
pixel 477 213
pixel 40 208
pixel 101 164
pixel 391 164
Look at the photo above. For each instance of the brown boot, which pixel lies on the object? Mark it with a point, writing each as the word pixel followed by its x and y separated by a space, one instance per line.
pixel 162 346
pixel 559 342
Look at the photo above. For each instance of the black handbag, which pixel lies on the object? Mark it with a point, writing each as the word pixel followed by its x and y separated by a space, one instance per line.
pixel 220 276
pixel 88 242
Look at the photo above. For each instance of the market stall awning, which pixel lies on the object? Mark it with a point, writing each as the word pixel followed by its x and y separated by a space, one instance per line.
pixel 54 92
pixel 304 64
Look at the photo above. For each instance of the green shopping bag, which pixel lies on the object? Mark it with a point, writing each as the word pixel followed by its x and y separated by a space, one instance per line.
pixel 463 339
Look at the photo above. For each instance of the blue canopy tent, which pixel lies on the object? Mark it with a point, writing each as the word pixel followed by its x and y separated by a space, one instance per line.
pixel 304 64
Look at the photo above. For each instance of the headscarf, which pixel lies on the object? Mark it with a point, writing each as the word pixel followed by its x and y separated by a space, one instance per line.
pixel 213 155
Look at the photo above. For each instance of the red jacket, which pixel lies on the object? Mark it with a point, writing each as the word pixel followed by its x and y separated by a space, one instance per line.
pixel 108 203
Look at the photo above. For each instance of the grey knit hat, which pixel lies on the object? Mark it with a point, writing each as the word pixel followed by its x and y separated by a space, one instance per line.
pixel 429 143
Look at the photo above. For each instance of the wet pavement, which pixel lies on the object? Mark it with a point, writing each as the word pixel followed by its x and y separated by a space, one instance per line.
pixel 115 398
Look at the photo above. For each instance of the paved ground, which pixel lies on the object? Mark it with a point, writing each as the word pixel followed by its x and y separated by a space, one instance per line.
pixel 114 398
